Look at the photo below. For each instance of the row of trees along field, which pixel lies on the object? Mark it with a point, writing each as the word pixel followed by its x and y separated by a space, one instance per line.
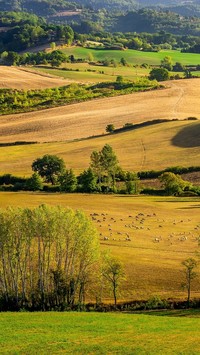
pixel 101 176
pixel 104 175
pixel 50 259
pixel 13 101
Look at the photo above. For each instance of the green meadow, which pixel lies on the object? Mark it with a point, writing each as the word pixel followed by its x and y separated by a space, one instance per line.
pixel 94 333
pixel 133 56
pixel 85 72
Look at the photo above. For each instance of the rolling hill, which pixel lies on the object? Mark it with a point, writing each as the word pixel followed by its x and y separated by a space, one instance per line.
pixel 21 79
pixel 180 100
pixel 151 267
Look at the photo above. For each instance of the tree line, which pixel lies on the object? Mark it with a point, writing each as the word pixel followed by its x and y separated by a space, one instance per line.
pixel 13 101
pixel 25 30
pixel 104 175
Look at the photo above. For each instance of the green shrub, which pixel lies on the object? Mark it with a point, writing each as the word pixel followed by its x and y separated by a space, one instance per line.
pixel 156 303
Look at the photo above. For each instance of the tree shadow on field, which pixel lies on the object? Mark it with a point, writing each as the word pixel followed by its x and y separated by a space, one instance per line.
pixel 188 137
pixel 189 207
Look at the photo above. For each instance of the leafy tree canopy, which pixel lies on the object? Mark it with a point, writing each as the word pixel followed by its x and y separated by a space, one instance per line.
pixel 49 167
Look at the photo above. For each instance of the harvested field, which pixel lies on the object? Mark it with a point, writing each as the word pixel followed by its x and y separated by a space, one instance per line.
pixel 24 79
pixel 153 147
pixel 151 236
pixel 179 100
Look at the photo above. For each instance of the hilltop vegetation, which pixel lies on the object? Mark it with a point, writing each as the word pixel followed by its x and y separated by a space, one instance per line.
pixel 153 21
pixel 38 7
pixel 26 30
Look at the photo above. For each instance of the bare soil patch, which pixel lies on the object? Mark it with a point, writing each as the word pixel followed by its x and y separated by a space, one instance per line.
pixel 179 100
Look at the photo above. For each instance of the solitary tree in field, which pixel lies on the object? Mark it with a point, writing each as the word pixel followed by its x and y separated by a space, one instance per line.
pixel 49 167
pixel 123 62
pixel 110 128
pixel 166 63
pixel 189 265
pixel 113 272
pixel 90 57
pixel 159 74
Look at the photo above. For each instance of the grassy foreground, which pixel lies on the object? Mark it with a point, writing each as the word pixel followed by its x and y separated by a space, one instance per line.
pixel 83 333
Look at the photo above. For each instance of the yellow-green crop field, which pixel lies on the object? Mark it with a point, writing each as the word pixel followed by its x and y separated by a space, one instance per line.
pixel 87 73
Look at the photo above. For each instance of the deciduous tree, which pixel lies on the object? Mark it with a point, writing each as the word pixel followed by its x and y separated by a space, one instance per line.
pixel 113 272
pixel 159 74
pixel 68 181
pixel 189 265
pixel 49 167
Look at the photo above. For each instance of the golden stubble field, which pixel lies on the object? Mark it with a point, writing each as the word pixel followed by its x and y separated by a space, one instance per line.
pixel 179 100
pixel 154 147
pixel 24 79
pixel 151 235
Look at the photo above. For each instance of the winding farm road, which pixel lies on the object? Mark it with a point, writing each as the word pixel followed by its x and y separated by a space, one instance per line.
pixel 180 99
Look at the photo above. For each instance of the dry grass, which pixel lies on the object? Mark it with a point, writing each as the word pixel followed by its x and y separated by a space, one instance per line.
pixel 179 100
pixel 24 79
pixel 151 267
pixel 153 147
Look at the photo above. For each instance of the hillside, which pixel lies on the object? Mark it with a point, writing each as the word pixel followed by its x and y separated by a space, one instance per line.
pixel 153 147
pixel 179 100
pixel 147 20
pixel 21 79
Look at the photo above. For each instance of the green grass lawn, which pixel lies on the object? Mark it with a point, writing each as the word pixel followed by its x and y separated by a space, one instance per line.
pixel 93 333
pixel 135 57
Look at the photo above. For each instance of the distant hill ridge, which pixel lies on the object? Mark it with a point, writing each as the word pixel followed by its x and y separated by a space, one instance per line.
pixel 49 7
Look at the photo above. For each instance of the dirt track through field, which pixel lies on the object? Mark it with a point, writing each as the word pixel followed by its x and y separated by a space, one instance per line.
pixel 181 99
